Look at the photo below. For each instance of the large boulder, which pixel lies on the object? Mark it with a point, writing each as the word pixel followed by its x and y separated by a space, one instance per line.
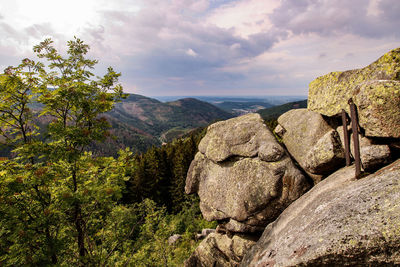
pixel 375 90
pixel 220 250
pixel 339 222
pixel 311 141
pixel 245 136
pixel 245 192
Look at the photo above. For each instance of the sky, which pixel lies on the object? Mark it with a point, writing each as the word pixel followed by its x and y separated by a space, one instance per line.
pixel 208 47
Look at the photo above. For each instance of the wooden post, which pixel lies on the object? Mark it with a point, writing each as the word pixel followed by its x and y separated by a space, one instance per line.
pixel 354 127
pixel 346 138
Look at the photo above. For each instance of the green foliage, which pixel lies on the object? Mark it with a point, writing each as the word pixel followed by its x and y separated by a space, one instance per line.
pixel 55 196
pixel 59 204
pixel 160 173
pixel 152 247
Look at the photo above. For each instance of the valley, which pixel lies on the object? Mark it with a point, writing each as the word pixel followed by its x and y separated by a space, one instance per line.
pixel 140 122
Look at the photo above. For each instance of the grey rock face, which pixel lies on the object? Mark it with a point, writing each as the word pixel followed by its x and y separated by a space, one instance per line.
pixel 235 137
pixel 220 250
pixel 311 141
pixel 204 233
pixel 372 155
pixel 246 192
pixel 339 222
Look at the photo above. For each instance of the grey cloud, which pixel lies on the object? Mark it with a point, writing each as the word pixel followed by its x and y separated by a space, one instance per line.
pixel 337 17
pixel 94 34
pixel 7 29
pixel 35 31
pixel 39 30
pixel 156 42
pixel 12 35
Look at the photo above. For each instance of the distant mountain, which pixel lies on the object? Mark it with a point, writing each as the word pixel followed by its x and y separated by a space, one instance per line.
pixel 141 122
pixel 276 111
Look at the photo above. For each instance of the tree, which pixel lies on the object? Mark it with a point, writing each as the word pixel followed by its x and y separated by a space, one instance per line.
pixel 53 192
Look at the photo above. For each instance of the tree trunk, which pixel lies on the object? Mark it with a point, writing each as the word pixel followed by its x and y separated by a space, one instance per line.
pixel 78 220
pixel 78 225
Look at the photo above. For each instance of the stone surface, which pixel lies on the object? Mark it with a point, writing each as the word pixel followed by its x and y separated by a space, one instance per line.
pixel 245 192
pixel 271 152
pixel 250 226
pixel 248 190
pixel 372 154
pixel 375 90
pixel 220 251
pixel 204 233
pixel 241 136
pixel 173 239
pixel 325 155
pixel 339 222
pixel 311 141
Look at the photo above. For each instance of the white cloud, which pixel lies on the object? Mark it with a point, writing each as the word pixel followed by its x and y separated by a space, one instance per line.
pixel 373 8
pixel 191 53
pixel 246 17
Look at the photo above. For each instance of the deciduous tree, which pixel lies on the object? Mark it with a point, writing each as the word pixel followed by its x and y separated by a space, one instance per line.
pixel 54 194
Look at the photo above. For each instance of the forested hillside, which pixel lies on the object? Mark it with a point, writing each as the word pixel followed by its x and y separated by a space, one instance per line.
pixel 141 122
pixel 273 113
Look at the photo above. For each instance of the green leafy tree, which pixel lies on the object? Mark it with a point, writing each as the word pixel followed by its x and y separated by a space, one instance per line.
pixel 75 100
pixel 55 196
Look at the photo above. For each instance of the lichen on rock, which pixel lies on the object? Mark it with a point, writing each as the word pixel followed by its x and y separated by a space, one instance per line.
pixel 220 250
pixel 373 154
pixel 247 184
pixel 235 137
pixel 339 222
pixel 311 141
pixel 375 90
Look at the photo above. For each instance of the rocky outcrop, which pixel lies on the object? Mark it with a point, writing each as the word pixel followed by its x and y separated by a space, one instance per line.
pixel 243 191
pixel 375 90
pixel 245 179
pixel 220 250
pixel 311 141
pixel 245 136
pixel 372 154
pixel 339 222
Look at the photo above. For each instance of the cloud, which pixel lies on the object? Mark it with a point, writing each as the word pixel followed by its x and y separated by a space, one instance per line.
pixel 163 40
pixel 191 53
pixel 212 46
pixel 372 18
